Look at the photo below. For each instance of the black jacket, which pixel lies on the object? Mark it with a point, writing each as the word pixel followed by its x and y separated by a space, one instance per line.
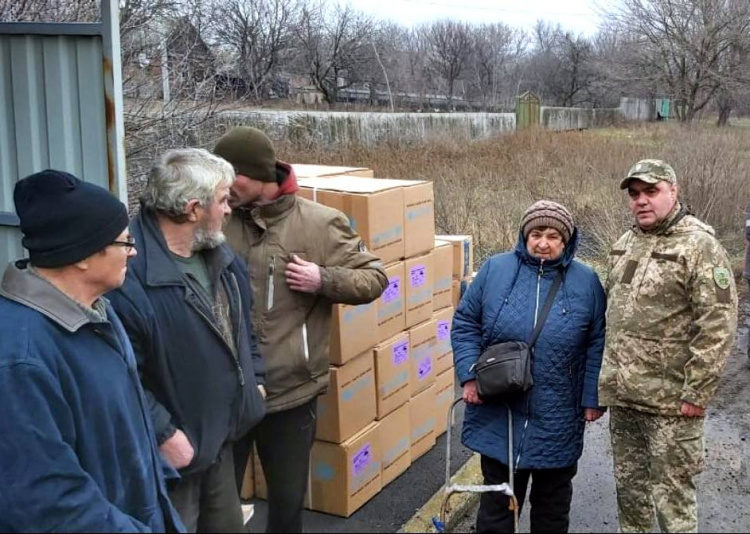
pixel 192 377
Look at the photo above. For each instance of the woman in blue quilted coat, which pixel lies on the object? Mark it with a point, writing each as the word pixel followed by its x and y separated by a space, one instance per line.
pixel 502 304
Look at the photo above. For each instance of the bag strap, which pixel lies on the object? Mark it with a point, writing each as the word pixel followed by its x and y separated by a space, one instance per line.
pixel 545 310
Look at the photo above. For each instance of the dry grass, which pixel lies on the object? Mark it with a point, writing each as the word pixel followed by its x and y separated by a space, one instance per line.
pixel 482 188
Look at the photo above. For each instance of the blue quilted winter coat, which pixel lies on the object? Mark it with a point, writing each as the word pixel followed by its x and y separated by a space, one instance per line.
pixel 499 306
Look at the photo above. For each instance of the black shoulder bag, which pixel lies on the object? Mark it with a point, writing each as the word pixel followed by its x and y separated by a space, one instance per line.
pixel 504 369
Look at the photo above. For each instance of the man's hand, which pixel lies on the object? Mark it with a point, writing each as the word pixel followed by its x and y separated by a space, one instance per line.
pixel 262 392
pixel 177 450
pixel 691 410
pixel 592 414
pixel 470 393
pixel 303 276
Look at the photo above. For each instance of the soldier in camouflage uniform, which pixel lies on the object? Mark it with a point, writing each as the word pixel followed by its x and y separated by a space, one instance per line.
pixel 671 319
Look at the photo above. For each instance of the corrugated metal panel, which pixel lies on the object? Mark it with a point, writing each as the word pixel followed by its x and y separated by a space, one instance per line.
pixel 52 114
pixel 53 106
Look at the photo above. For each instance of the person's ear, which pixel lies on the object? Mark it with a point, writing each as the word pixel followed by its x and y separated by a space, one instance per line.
pixel 191 210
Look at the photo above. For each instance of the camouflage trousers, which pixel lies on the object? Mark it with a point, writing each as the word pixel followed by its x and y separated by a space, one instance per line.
pixel 656 458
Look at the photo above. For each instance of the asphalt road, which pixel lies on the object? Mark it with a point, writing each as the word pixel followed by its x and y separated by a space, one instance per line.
pixel 396 503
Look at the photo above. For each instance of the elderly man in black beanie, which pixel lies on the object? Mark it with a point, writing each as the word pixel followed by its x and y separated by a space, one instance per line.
pixel 78 452
pixel 304 257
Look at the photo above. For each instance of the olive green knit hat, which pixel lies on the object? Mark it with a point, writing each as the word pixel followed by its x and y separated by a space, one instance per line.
pixel 250 152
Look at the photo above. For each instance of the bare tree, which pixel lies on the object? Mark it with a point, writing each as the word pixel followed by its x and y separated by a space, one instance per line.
pixel 332 46
pixel 49 11
pixel 259 33
pixel 496 48
pixel 450 47
pixel 681 45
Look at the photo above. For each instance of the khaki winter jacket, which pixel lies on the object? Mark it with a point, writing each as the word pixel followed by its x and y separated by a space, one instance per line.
pixel 671 318
pixel 293 328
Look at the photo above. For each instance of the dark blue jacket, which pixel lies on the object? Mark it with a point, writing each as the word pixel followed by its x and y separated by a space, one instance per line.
pixel 77 450
pixel 500 306
pixel 193 379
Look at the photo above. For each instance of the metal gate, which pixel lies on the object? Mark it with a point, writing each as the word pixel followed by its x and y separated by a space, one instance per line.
pixel 60 107
pixel 528 110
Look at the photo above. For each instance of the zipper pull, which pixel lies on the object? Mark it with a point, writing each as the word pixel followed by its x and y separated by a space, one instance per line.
pixel 271 273
pixel 241 374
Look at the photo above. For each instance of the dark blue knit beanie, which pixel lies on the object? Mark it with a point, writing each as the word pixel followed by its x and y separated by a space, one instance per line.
pixel 64 219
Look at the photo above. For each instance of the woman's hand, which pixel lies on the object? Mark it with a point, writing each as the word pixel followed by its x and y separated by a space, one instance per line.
pixel 593 414
pixel 470 393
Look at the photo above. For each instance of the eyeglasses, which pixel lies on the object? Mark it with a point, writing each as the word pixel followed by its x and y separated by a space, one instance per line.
pixel 128 245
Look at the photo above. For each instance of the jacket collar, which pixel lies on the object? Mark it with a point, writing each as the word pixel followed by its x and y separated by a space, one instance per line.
pixel 21 285
pixel 160 268
pixel 266 215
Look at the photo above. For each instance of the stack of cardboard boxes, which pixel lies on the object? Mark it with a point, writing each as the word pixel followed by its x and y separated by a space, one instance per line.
pixel 391 381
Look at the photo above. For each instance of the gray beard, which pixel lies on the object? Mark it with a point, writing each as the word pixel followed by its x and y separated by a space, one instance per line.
pixel 205 240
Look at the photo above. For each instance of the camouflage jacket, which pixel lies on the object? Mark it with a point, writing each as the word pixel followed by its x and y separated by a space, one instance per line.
pixel 671 317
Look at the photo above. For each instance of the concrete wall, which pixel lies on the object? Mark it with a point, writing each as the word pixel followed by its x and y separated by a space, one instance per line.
pixel 637 109
pixel 560 119
pixel 371 128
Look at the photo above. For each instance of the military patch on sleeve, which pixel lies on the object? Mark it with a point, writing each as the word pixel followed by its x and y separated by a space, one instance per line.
pixel 722 277
pixel 362 246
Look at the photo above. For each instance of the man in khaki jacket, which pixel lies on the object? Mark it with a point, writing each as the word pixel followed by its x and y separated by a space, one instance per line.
pixel 303 257
pixel 671 319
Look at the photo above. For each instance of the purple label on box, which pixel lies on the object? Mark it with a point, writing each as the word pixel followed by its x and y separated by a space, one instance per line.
pixel 393 290
pixel 425 368
pixel 361 460
pixel 418 275
pixel 400 352
pixel 443 330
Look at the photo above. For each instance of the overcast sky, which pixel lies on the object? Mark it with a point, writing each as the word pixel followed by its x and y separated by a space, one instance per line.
pixel 579 16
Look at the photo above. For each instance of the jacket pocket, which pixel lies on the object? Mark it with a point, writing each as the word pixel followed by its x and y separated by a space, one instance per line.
pixel 643 374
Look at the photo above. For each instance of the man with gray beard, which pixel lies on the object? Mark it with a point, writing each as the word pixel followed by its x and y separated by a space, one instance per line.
pixel 186 307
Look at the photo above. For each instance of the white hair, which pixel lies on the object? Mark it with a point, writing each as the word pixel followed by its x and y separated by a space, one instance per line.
pixel 182 175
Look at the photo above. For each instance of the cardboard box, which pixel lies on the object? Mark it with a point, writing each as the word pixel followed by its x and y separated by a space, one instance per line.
pixel 261 489
pixel 444 396
pixel 463 254
pixel 395 444
pixel 442 273
pixel 422 413
pixel 392 373
pixel 422 339
pixel 456 293
pixel 419 224
pixel 375 209
pixel 248 481
pixel 418 273
pixel 349 404
pixel 323 171
pixel 443 348
pixel 354 330
pixel 391 306
pixel 345 476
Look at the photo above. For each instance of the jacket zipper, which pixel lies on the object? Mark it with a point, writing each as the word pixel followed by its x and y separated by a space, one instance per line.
pixel 305 347
pixel 539 275
pixel 270 290
pixel 240 373
pixel 237 333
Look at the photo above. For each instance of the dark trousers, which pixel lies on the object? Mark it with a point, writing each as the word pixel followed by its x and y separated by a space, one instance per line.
pixel 209 501
pixel 283 441
pixel 551 493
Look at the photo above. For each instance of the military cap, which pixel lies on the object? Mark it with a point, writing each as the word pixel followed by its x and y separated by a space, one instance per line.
pixel 651 171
